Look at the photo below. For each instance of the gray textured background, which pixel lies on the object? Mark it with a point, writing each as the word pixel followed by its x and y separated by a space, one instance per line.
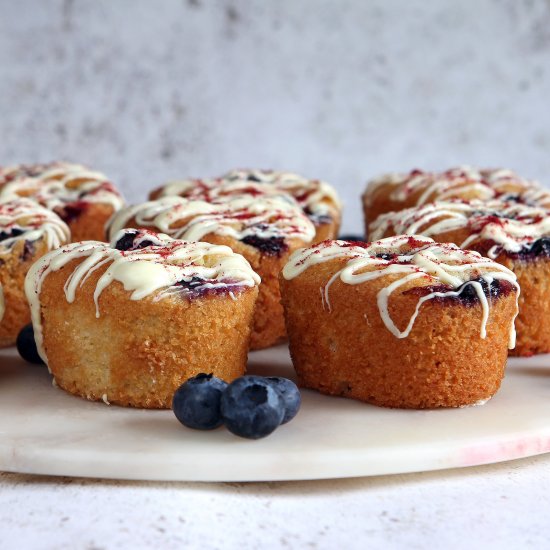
pixel 341 90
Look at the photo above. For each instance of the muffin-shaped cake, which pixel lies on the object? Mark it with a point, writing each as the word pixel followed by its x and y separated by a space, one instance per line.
pixel 513 234
pixel 395 191
pixel 317 198
pixel 402 322
pixel 265 230
pixel 85 200
pixel 129 322
pixel 27 232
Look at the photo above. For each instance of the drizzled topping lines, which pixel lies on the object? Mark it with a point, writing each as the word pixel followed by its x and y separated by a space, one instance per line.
pixel 263 222
pixel 162 269
pixel 25 220
pixel 58 185
pixel 496 225
pixel 317 198
pixel 462 182
pixel 411 258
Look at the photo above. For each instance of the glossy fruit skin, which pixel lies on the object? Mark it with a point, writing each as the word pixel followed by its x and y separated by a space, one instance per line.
pixel 252 407
pixel 26 346
pixel 291 396
pixel 196 403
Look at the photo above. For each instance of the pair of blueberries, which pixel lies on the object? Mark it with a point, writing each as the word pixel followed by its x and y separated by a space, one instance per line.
pixel 250 407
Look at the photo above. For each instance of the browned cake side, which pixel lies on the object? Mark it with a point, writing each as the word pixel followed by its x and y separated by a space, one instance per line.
pixel 533 273
pixel 349 352
pixel 138 352
pixel 326 231
pixel 13 269
pixel 269 324
pixel 156 193
pixel 88 223
pixel 532 323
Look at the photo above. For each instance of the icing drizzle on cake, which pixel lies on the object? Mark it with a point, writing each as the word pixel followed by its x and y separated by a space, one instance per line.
pixel 57 185
pixel 248 219
pixel 24 220
pixel 317 198
pixel 410 258
pixel 495 225
pixel 461 182
pixel 148 265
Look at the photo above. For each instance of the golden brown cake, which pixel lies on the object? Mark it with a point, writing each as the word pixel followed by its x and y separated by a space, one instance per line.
pixel 128 323
pixel 85 200
pixel 317 198
pixel 27 232
pixel 513 234
pixel 395 191
pixel 264 229
pixel 402 322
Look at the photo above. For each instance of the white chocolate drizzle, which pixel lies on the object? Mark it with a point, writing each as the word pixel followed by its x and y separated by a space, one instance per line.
pixel 57 184
pixel 461 182
pixel 24 220
pixel 497 226
pixel 316 197
pixel 263 217
pixel 410 257
pixel 154 270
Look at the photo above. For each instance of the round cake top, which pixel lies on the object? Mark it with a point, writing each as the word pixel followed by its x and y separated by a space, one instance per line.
pixel 146 264
pixel 58 185
pixel 25 220
pixel 461 182
pixel 492 227
pixel 445 270
pixel 265 222
pixel 317 198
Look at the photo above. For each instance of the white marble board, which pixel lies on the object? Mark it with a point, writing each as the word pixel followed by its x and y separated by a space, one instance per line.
pixel 43 430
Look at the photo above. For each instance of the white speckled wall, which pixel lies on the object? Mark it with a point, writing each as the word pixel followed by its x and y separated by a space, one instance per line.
pixel 335 89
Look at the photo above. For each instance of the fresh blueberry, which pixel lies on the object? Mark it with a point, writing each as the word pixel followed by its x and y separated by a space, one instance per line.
pixel 541 247
pixel 386 256
pixel 272 246
pixel 15 232
pixel 73 211
pixel 252 407
pixel 126 242
pixel 26 346
pixel 291 396
pixel 196 403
